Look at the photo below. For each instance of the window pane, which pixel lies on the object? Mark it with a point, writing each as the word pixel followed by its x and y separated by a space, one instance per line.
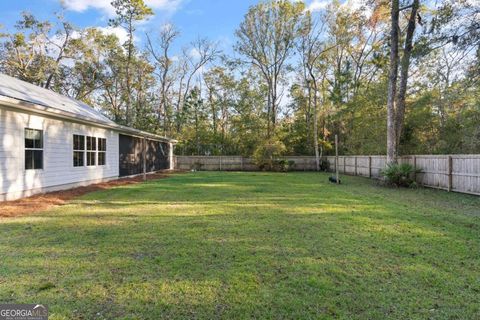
pixel 33 159
pixel 29 143
pixel 102 144
pixel 91 143
pixel 90 158
pixel 39 142
pixel 28 159
pixel 33 138
pixel 33 134
pixel 101 158
pixel 78 142
pixel 78 158
pixel 38 159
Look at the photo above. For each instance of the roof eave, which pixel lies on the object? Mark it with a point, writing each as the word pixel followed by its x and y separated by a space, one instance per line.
pixel 40 109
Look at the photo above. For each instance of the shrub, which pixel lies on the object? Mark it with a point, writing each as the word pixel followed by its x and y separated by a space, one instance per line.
pixel 324 165
pixel 291 165
pixel 283 165
pixel 400 175
pixel 267 153
pixel 196 166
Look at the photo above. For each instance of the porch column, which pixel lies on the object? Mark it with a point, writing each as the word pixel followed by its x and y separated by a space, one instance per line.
pixel 170 156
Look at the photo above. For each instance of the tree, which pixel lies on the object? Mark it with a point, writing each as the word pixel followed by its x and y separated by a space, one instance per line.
pixel 404 73
pixel 129 12
pixel 221 87
pixel 84 77
pixel 266 37
pixel 36 51
pixel 396 96
pixel 223 105
pixel 164 63
pixel 201 52
pixel 311 49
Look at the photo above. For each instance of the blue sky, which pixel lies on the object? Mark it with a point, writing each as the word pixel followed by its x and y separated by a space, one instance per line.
pixel 214 19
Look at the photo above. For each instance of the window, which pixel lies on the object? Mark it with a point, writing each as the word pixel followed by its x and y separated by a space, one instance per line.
pixel 102 151
pixel 78 150
pixel 33 149
pixel 91 150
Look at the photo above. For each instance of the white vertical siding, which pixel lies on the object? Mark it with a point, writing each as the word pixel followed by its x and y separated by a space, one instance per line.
pixel 58 168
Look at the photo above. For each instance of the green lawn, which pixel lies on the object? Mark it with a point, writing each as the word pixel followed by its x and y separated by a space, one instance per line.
pixel 248 245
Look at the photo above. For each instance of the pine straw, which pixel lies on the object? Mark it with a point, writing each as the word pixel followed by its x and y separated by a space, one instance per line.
pixel 42 202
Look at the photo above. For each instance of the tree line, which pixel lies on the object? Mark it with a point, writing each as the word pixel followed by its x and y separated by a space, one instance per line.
pixel 402 74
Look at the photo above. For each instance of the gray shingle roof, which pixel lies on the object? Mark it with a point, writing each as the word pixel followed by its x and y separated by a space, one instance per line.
pixel 24 91
pixel 56 103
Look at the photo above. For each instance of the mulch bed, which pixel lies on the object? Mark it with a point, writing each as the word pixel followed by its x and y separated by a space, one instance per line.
pixel 45 201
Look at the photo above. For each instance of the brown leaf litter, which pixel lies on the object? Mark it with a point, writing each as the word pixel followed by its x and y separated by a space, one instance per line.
pixel 42 202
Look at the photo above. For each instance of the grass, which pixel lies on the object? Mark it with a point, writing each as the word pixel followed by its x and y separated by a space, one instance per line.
pixel 248 245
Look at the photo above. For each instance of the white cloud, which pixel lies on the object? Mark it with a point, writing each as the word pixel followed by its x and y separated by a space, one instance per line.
pixel 317 5
pixel 355 5
pixel 351 5
pixel 118 31
pixel 194 53
pixel 106 7
pixel 167 5
pixel 82 5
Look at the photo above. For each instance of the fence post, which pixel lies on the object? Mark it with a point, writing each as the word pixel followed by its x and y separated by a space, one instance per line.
pixel 344 165
pixel 241 163
pixel 220 168
pixel 415 168
pixel 144 156
pixel 449 159
pixel 369 167
pixel 336 159
pixel 355 165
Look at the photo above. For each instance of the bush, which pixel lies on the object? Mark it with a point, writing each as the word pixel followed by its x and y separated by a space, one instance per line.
pixel 266 155
pixel 400 175
pixel 324 165
pixel 196 166
pixel 283 165
pixel 291 165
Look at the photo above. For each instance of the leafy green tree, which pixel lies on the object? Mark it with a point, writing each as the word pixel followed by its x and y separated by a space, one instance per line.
pixel 266 38
pixel 129 12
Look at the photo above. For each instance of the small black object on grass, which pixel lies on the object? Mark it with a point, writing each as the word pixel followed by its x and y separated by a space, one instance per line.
pixel 332 179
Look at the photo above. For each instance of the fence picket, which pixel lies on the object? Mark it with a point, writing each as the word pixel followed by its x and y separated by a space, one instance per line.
pixel 459 173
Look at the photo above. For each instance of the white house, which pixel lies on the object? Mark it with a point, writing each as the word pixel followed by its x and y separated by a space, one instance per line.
pixel 51 142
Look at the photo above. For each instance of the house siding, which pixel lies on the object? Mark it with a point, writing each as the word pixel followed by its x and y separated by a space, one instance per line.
pixel 58 171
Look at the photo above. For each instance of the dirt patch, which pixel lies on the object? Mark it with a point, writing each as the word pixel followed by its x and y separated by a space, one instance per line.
pixel 45 201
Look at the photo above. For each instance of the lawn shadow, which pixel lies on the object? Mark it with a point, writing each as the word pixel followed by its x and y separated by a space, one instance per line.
pixel 297 250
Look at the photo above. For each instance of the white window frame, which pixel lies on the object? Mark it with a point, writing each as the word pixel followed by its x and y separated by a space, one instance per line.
pixel 90 151
pixel 84 151
pixel 33 149
pixel 104 152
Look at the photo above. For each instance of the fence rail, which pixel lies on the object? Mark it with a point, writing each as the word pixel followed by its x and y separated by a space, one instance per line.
pixel 459 173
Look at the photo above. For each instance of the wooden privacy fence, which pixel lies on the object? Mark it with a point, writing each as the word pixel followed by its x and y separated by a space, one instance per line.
pixel 459 173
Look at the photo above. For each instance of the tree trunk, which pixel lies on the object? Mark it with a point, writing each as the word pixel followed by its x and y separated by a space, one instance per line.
pixel 274 106
pixel 269 109
pixel 404 66
pixel 308 116
pixel 392 84
pixel 315 123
